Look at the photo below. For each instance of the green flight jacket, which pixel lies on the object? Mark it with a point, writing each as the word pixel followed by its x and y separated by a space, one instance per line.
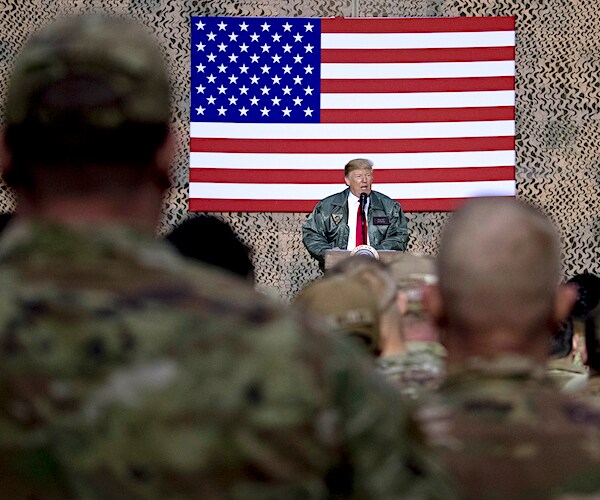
pixel 327 225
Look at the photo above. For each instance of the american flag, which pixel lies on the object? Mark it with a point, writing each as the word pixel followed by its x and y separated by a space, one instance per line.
pixel 280 105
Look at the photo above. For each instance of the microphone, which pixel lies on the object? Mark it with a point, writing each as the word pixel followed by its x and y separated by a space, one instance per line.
pixel 363 200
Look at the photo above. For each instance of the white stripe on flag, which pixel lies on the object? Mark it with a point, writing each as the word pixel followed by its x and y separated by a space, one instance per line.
pixel 417 40
pixel 309 161
pixel 417 70
pixel 351 130
pixel 399 191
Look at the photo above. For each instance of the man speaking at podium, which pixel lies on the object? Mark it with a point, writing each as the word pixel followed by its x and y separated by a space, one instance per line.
pixel 356 216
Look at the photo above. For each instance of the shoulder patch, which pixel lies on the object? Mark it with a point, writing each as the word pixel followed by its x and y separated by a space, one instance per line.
pixel 336 218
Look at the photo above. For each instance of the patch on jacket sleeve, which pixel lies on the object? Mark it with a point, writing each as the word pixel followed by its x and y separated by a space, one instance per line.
pixel 381 221
pixel 336 218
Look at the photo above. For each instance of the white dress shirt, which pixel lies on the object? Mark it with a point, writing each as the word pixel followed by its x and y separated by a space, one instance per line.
pixel 353 204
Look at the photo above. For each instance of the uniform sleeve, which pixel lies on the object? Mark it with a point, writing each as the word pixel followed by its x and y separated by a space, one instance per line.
pixel 314 234
pixel 397 233
pixel 383 441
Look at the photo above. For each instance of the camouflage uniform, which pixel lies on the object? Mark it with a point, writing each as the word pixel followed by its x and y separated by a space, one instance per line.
pixel 506 432
pixel 568 376
pixel 591 391
pixel 417 371
pixel 127 372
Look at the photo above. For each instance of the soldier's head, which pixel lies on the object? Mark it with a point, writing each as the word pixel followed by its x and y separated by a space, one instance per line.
pixel 87 107
pixel 499 271
pixel 413 273
pixel 374 276
pixel 358 175
pixel 346 306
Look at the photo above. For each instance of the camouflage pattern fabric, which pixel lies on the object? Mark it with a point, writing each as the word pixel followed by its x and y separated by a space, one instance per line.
pixel 417 371
pixel 505 431
pixel 569 377
pixel 128 372
pixel 591 391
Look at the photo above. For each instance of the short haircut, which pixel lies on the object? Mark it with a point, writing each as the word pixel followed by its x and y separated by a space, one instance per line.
pixel 588 293
pixel 212 241
pixel 498 267
pixel 357 164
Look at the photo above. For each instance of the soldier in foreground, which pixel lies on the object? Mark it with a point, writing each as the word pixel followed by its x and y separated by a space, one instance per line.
pixel 504 429
pixel 128 372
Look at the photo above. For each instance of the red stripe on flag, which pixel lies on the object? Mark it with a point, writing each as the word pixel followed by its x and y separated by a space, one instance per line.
pixel 382 176
pixel 417 115
pixel 316 146
pixel 462 54
pixel 417 25
pixel 235 205
pixel 363 86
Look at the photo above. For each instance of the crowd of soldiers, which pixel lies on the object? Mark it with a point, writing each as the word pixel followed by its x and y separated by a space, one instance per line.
pixel 130 371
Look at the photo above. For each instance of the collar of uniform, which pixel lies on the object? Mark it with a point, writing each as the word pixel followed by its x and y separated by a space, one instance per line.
pixel 565 365
pixel 501 366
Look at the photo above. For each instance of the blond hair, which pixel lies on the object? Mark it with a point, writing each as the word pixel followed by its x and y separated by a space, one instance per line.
pixel 357 164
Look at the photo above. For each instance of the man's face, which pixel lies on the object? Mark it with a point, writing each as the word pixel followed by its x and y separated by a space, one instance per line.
pixel 359 181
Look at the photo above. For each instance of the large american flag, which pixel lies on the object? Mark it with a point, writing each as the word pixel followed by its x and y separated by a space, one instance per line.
pixel 280 105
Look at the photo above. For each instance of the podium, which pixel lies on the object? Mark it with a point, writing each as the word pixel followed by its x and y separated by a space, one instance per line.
pixel 332 257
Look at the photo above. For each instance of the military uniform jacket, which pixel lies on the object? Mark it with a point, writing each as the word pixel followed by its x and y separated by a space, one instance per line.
pixel 327 225
pixel 591 391
pixel 417 371
pixel 505 431
pixel 129 372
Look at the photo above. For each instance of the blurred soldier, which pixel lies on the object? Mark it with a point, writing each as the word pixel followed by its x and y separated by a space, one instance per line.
pixel 505 431
pixel 413 367
pixel 561 367
pixel 347 307
pixel 219 245
pixel 587 312
pixel 422 364
pixel 129 372
pixel 591 392
pixel 569 343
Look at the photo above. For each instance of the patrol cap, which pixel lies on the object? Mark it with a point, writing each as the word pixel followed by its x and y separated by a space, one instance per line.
pixel 412 269
pixel 346 306
pixel 94 70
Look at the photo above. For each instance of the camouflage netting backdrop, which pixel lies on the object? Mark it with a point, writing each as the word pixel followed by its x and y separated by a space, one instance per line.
pixel 558 113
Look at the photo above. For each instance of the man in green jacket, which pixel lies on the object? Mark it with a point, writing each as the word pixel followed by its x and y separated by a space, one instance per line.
pixel 333 222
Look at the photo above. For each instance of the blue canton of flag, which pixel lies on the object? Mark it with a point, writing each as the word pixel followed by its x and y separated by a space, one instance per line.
pixel 255 70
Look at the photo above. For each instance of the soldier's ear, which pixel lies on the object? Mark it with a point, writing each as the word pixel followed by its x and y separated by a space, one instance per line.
pixel 163 159
pixel 564 300
pixel 347 181
pixel 5 154
pixel 402 301
pixel 433 302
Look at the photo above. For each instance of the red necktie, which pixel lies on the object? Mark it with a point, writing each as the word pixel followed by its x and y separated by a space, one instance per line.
pixel 359 232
